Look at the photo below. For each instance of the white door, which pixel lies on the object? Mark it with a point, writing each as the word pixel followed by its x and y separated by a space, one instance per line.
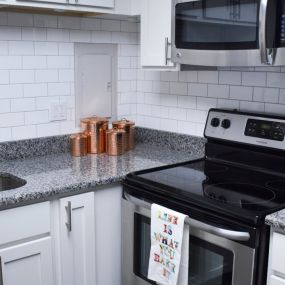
pixel 155 33
pixel 77 236
pixel 95 80
pixel 28 263
pixel 96 84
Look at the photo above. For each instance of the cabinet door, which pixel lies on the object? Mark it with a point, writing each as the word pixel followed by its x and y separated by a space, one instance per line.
pixel 77 241
pixel 96 3
pixel 155 29
pixel 28 263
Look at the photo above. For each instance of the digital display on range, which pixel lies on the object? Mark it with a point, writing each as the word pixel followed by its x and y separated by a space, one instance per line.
pixel 265 129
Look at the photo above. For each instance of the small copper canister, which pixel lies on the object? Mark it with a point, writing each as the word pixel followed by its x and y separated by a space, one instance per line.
pixel 78 144
pixel 116 141
pixel 95 128
pixel 129 128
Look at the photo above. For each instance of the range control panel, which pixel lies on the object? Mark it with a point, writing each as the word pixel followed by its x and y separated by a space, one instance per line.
pixel 248 128
pixel 265 129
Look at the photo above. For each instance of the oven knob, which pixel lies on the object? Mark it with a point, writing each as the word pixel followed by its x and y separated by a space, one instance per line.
pixel 215 122
pixel 226 123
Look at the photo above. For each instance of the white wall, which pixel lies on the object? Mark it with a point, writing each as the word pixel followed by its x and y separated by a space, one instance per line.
pixel 37 67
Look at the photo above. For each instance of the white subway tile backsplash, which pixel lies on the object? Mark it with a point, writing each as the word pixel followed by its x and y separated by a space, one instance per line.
pixel 254 78
pixel 5 105
pixel 188 76
pixel 22 76
pixel 206 103
pixel 252 106
pixel 58 62
pixel 179 88
pixel 34 34
pixel 110 25
pixel 45 21
pixel 267 95
pixel 276 80
pixel 46 48
pixel 20 19
pixel 66 75
pixel 69 22
pixel 10 33
pixel 241 93
pixel 36 117
pixel 35 90
pixel 169 76
pixel 5 134
pixel 90 24
pixel 66 49
pixel 160 87
pixel 3 18
pixel 11 90
pixel 11 120
pixel 80 36
pixel 228 104
pixel 50 129
pixel 231 78
pixel 21 48
pixel 102 37
pixel 197 116
pixel 23 104
pixel 58 35
pixel 188 128
pixel 10 62
pixel 187 102
pixel 61 88
pixel 44 103
pixel 34 62
pixel 46 75
pixel 218 91
pixel 197 89
pixel 127 26
pixel 208 76
pixel 275 108
pixel 178 114
pixel 4 48
pixel 24 132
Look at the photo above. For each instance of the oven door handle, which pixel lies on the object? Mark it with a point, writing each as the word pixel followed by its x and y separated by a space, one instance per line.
pixel 224 233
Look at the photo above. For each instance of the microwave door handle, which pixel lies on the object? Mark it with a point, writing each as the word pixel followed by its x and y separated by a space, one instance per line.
pixel 224 233
pixel 267 55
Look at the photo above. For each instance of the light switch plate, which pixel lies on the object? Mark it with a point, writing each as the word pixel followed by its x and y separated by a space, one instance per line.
pixel 58 112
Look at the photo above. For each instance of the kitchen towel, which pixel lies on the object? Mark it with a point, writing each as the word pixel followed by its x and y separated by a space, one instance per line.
pixel 168 262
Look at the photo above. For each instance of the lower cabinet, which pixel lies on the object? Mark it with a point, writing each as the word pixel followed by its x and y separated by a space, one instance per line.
pixel 69 241
pixel 28 263
pixel 77 239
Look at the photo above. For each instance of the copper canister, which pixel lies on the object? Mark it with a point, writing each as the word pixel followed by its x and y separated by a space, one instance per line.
pixel 95 128
pixel 129 128
pixel 116 141
pixel 78 144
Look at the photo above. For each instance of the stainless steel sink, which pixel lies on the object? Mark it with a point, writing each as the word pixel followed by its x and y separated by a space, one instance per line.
pixel 9 181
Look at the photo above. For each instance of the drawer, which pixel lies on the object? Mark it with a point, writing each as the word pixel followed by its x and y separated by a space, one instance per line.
pixel 274 280
pixel 24 222
pixel 278 253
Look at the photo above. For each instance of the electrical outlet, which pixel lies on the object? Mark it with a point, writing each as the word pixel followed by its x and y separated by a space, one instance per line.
pixel 57 112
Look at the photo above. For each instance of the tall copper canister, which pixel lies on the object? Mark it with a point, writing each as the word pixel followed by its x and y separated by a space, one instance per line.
pixel 129 128
pixel 116 141
pixel 78 144
pixel 95 128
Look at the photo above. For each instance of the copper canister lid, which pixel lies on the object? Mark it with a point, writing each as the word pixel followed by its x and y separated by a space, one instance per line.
pixel 123 123
pixel 91 124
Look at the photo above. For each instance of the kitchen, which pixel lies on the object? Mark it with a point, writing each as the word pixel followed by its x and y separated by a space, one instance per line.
pixel 86 220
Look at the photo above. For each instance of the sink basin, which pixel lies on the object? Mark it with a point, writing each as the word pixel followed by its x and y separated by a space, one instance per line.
pixel 9 181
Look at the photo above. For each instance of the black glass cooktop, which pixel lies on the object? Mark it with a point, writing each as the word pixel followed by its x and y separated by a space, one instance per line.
pixel 219 186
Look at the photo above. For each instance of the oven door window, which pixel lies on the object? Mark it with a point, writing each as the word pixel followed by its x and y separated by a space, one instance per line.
pixel 208 263
pixel 217 24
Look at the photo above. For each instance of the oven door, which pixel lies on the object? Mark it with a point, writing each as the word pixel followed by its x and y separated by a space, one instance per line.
pixel 224 32
pixel 213 260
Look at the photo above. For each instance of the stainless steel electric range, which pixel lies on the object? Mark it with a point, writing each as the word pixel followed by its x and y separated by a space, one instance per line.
pixel 227 196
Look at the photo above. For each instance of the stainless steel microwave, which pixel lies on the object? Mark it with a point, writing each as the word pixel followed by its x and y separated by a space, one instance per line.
pixel 228 32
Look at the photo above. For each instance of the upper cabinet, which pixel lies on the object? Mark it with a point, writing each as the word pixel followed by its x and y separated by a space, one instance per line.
pixel 156 34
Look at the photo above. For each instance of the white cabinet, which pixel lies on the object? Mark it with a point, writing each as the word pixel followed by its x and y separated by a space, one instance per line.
pixel 96 3
pixel 77 240
pixel 28 263
pixel 156 34
pixel 108 235
pixel 276 266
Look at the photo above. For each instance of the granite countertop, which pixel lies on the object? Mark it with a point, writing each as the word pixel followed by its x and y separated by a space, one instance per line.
pixel 57 174
pixel 277 221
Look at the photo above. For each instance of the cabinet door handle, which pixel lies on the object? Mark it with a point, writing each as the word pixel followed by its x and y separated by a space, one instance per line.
pixel 69 221
pixel 1 272
pixel 167 44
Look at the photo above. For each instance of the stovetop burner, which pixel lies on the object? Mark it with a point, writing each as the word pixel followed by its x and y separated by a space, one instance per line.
pixel 276 185
pixel 239 193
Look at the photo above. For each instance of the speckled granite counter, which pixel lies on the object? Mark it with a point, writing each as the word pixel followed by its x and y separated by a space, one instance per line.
pixel 58 174
pixel 277 221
